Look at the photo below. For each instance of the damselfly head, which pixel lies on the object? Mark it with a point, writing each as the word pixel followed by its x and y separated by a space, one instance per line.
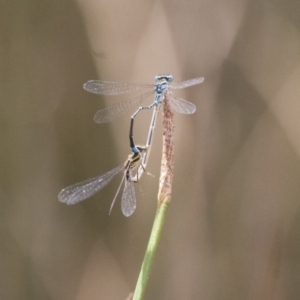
pixel 168 78
pixel 162 82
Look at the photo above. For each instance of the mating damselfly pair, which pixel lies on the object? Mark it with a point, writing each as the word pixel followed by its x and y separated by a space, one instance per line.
pixel 139 157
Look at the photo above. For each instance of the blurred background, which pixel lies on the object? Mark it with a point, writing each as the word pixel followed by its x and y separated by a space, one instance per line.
pixel 233 226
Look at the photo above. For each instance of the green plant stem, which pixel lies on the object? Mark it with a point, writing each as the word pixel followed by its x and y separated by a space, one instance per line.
pixel 150 252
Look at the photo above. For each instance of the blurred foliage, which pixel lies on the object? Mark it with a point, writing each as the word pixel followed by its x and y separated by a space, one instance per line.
pixel 232 227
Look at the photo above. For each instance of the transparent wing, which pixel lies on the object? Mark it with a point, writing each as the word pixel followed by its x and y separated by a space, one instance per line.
pixel 187 83
pixel 85 189
pixel 180 105
pixel 113 88
pixel 114 111
pixel 117 193
pixel 128 203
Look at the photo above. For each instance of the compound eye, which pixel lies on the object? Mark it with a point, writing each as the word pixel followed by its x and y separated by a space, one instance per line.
pixel 170 78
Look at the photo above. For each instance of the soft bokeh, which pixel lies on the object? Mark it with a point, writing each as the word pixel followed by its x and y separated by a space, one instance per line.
pixel 233 227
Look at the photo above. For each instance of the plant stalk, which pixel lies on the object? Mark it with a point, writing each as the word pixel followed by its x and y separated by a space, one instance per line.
pixel 150 252
pixel 163 199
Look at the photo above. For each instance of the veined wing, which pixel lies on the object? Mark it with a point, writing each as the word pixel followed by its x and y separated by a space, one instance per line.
pixel 128 203
pixel 114 111
pixel 117 192
pixel 186 83
pixel 85 189
pixel 180 105
pixel 102 87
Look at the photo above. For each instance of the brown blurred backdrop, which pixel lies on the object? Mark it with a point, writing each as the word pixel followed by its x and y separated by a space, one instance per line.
pixel 233 227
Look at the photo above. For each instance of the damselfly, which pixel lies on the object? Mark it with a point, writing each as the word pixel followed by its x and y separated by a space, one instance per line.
pixel 163 87
pixel 85 189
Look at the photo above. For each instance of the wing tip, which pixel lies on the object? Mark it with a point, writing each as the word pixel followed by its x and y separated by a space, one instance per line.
pixel 85 85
